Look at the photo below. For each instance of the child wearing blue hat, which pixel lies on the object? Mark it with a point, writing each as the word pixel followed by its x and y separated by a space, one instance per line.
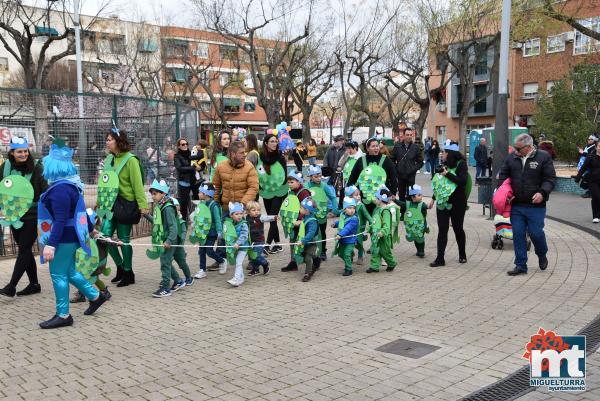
pixel 384 230
pixel 346 236
pixel 364 217
pixel 315 174
pixel 295 183
pixel 242 241
pixel 168 228
pixel 414 212
pixel 206 193
pixel 308 241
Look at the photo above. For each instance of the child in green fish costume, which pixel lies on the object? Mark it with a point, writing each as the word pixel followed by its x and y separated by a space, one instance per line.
pixel 307 245
pixel 237 238
pixel 415 218
pixel 384 231
pixel 364 217
pixel 290 215
pixel 323 195
pixel 347 234
pixel 168 229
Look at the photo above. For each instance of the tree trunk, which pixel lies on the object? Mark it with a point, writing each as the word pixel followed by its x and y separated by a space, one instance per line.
pixel 306 135
pixel 40 115
pixel 422 118
pixel 372 124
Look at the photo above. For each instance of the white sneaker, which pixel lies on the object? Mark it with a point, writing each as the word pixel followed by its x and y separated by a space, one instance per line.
pixel 418 171
pixel 223 267
pixel 200 274
pixel 234 282
pixel 596 220
pixel 427 173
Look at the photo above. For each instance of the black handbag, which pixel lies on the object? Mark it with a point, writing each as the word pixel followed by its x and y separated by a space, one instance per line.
pixel 126 212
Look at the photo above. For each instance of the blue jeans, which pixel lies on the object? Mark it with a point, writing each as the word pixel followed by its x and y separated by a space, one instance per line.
pixel 260 260
pixel 217 255
pixel 480 170
pixel 530 220
pixel 312 161
pixel 427 165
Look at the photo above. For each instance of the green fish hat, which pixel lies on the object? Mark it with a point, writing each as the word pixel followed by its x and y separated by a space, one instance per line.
pixel 320 197
pixel 289 212
pixel 85 264
pixel 201 223
pixel 230 237
pixel 271 185
pixel 370 179
pixel 16 198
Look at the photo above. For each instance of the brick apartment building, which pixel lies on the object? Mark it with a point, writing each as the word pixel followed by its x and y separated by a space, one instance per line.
pixel 535 65
pixel 215 57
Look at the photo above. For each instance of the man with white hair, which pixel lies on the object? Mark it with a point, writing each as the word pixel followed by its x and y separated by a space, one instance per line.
pixel 533 178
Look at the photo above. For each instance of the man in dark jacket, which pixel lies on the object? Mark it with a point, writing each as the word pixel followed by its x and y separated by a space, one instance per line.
pixel 481 158
pixel 333 156
pixel 408 159
pixel 532 179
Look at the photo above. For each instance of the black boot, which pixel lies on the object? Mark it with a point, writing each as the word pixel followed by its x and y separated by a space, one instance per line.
pixel 94 305
pixel 56 322
pixel 119 275
pixel 30 290
pixel 128 278
pixel 8 291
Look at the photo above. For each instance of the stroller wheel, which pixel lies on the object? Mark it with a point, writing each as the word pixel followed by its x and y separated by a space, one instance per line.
pixel 500 244
pixel 495 243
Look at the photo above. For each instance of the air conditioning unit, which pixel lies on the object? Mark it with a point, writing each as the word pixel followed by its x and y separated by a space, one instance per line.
pixel 569 36
pixel 441 107
pixel 517 45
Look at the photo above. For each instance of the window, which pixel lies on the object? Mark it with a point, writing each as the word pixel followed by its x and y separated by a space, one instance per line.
pixel 147 46
pixel 555 44
pixel 441 133
pixel 3 64
pixel 231 105
pixel 530 90
pixel 481 68
pixel 179 75
pixel 585 44
pixel 228 78
pixel 549 86
pixel 531 47
pixel 205 106
pixel 201 50
pixel 46 31
pixel 248 83
pixel 227 52
pixel 176 48
pixel 117 44
pixel 459 98
pixel 480 106
pixel 249 106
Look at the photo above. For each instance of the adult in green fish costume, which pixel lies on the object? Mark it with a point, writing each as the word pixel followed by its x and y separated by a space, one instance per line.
pixel 21 184
pixel 451 189
pixel 368 172
pixel 127 168
pixel 346 163
pixel 272 178
pixel 219 151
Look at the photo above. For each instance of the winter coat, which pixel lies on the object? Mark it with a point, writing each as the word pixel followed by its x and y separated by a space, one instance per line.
pixel 481 155
pixel 591 165
pixel 408 159
pixel 332 158
pixel 235 184
pixel 502 196
pixel 183 164
pixel 536 175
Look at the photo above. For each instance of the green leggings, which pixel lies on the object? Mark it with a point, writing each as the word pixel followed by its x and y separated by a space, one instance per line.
pixel 345 252
pixel 123 234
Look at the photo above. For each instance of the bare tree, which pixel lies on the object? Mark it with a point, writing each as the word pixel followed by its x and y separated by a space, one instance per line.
pixel 564 11
pixel 243 26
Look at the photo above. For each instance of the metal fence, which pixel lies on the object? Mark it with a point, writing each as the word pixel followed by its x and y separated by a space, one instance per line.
pixel 152 127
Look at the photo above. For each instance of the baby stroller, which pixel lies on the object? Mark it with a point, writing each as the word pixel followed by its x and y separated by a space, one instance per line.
pixel 504 231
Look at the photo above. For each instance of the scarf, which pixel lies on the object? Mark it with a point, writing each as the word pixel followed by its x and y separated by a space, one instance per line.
pixel 73 179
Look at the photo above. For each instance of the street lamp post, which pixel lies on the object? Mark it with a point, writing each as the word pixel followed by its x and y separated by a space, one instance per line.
pixel 82 137
pixel 501 129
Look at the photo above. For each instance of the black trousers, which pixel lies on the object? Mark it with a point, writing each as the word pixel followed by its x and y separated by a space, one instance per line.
pixel 183 196
pixel 457 216
pixel 595 191
pixel 25 238
pixel 272 207
pixel 403 186
pixel 323 228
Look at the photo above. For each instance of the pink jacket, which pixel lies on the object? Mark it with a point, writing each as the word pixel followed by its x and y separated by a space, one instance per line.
pixel 501 198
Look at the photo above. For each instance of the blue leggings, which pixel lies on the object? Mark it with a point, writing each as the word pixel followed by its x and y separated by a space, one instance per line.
pixel 62 272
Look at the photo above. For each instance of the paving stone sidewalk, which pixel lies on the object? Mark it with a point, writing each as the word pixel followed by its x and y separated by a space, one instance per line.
pixel 276 338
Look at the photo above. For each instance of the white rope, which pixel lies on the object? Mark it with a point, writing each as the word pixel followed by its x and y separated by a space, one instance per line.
pixel 241 246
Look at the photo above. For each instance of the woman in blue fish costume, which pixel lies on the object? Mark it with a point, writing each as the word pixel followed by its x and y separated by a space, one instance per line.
pixel 18 206
pixel 64 227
